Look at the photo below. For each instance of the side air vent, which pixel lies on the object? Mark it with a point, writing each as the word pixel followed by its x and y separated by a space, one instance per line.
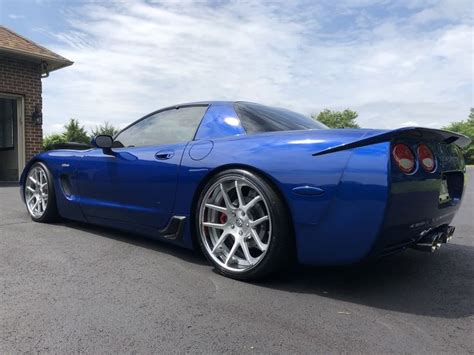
pixel 66 185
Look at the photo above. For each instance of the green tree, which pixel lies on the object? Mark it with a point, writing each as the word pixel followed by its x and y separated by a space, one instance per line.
pixel 465 127
pixel 51 139
pixel 75 132
pixel 105 128
pixel 337 119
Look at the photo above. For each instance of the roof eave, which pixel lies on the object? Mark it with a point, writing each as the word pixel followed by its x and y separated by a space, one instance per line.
pixel 53 63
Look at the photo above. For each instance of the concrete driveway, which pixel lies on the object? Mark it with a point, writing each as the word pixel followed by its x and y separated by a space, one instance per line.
pixel 74 288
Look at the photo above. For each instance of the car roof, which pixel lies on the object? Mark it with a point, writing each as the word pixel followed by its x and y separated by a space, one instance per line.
pixel 210 102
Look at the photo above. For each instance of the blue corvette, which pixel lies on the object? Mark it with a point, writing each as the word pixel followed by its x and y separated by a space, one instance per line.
pixel 256 186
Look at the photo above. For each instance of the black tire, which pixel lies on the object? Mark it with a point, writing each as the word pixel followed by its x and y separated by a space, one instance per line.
pixel 50 214
pixel 280 251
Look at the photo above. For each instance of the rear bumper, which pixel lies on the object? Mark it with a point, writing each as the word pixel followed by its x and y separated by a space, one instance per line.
pixel 378 209
pixel 429 240
pixel 414 209
pixel 410 212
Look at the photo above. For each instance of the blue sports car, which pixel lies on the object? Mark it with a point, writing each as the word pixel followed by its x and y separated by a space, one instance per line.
pixel 256 187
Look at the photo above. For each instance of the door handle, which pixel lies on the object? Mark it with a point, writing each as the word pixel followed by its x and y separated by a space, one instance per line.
pixel 163 155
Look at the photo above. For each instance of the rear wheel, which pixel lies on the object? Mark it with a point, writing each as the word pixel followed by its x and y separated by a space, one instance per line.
pixel 243 225
pixel 39 194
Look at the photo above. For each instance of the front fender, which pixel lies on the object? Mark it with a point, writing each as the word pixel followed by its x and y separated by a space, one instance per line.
pixel 62 163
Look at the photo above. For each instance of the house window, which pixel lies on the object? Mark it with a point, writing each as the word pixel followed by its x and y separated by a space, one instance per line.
pixel 7 123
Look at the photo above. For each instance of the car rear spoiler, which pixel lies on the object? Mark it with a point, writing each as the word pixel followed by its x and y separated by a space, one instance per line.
pixel 444 136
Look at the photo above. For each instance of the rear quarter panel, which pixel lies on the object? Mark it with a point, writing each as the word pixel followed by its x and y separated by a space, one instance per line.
pixel 338 226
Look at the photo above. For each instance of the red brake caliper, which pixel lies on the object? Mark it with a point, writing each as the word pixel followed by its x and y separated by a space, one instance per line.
pixel 222 217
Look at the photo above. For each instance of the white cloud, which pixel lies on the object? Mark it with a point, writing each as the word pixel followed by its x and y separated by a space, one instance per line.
pixel 410 123
pixel 133 57
pixel 16 17
pixel 444 10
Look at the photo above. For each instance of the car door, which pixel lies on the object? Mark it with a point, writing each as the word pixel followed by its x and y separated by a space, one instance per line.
pixel 136 182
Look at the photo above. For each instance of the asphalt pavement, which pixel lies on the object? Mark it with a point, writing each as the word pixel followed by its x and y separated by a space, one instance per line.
pixel 70 287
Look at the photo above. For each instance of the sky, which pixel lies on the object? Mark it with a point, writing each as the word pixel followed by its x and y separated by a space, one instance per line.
pixel 397 63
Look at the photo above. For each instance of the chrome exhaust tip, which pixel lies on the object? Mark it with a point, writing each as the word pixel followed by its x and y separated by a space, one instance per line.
pixel 429 243
pixel 432 241
pixel 448 234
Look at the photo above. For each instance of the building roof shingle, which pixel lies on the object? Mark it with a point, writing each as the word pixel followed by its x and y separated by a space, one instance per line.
pixel 14 45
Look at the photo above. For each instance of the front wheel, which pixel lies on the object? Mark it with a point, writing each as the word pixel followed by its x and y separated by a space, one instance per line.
pixel 243 225
pixel 39 194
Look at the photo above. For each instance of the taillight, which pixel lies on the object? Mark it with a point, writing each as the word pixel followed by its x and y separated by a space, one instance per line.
pixel 426 157
pixel 404 158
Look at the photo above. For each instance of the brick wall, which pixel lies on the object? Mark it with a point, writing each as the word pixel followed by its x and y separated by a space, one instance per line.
pixel 24 78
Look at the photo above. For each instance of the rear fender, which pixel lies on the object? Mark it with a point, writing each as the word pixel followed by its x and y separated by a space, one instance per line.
pixel 349 229
pixel 286 159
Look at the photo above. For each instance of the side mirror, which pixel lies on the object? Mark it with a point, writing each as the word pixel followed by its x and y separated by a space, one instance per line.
pixel 105 142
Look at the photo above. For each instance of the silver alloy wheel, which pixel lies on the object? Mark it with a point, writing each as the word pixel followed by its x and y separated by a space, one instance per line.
pixel 36 191
pixel 235 223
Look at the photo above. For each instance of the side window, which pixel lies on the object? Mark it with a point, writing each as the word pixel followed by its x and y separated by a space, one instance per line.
pixel 165 127
pixel 258 118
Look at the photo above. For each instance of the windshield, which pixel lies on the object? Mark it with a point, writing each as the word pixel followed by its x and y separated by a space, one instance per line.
pixel 258 118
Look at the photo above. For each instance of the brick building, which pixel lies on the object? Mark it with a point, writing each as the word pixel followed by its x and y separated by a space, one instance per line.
pixel 23 64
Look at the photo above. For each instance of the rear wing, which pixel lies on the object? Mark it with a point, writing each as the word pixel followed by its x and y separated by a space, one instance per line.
pixel 377 137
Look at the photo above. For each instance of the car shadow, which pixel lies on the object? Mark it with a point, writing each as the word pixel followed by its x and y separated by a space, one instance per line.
pixel 435 285
pixel 140 241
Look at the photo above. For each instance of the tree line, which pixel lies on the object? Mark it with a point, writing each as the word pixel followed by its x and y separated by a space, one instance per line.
pixel 347 119
pixel 74 132
pixel 465 127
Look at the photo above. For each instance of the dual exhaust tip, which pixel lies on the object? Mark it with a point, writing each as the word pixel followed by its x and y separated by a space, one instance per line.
pixel 433 240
